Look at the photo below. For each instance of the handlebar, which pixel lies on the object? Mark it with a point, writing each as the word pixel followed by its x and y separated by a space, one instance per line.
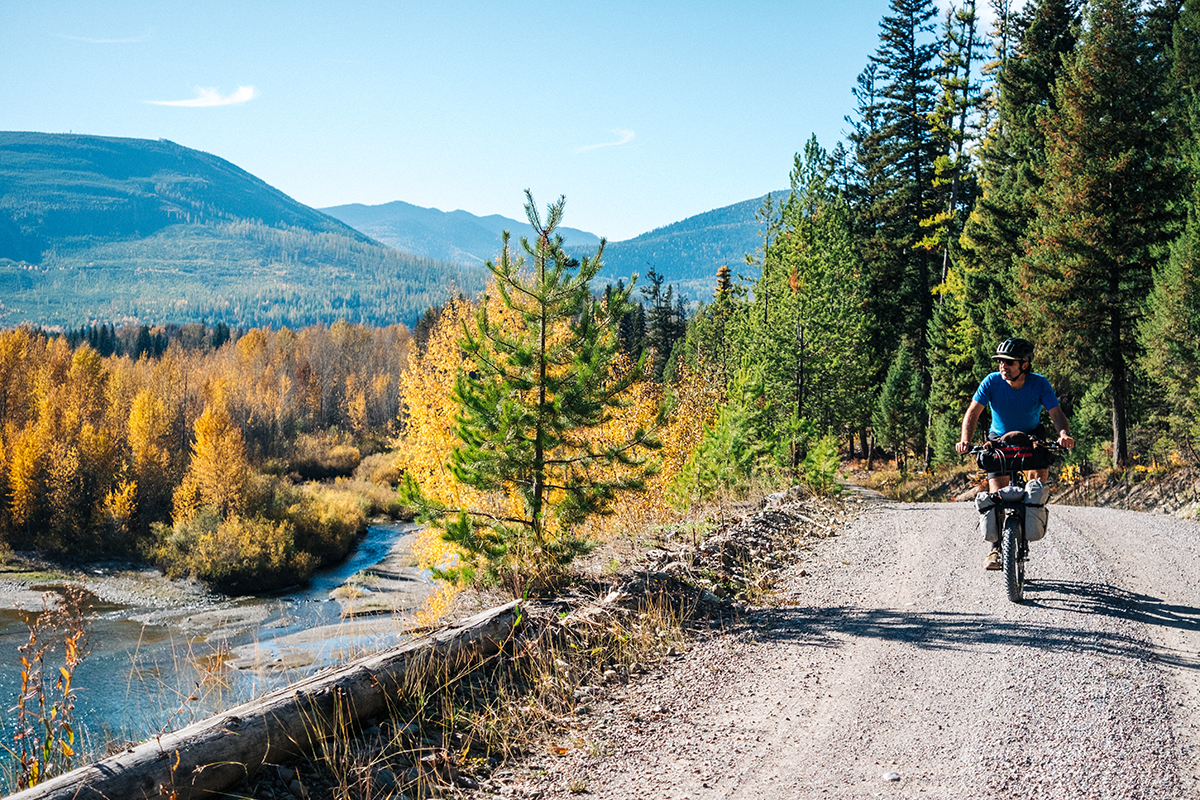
pixel 1049 444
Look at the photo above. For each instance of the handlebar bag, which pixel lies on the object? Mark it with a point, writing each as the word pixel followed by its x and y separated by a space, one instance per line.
pixel 1006 457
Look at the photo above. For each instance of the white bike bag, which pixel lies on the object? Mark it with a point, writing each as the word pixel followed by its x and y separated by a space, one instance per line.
pixel 989 517
pixel 1036 513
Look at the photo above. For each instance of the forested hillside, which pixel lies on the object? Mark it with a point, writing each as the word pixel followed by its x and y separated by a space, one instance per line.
pixel 688 253
pixel 117 230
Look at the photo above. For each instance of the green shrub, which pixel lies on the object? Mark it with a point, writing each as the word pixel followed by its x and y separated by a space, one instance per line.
pixel 821 465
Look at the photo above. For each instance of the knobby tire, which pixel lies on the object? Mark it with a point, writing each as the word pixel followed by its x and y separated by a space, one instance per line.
pixel 1014 569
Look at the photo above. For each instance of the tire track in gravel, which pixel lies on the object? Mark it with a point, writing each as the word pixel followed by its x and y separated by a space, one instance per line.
pixel 896 667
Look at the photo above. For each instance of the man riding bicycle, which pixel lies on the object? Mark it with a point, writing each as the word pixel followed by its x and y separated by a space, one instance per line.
pixel 1016 397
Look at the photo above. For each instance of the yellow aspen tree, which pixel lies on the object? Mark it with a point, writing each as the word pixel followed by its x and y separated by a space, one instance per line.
pixel 120 508
pixel 219 473
pixel 17 348
pixel 151 463
pixel 355 400
pixel 427 409
pixel 26 485
pixel 69 509
pixel 426 423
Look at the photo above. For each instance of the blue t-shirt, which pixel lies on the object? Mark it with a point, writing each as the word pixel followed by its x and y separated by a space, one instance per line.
pixel 1016 409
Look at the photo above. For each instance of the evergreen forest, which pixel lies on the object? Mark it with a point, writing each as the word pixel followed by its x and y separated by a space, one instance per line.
pixel 1035 179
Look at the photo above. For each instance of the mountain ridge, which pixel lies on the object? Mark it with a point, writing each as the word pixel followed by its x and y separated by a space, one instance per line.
pixel 687 252
pixel 449 235
pixel 115 230
pixel 107 229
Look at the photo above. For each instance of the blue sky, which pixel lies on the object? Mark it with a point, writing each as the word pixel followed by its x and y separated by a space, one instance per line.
pixel 641 113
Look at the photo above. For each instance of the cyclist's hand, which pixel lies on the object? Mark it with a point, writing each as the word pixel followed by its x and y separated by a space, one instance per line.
pixel 963 448
pixel 1065 440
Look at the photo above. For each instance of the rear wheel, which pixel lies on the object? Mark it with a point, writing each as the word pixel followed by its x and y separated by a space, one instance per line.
pixel 1010 551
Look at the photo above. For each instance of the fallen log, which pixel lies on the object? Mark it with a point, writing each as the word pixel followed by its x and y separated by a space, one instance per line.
pixel 214 754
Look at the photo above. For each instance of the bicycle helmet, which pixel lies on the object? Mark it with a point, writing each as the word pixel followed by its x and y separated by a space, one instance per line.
pixel 1014 350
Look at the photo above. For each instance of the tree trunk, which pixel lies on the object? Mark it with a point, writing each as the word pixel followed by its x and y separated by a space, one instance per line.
pixel 211 755
pixel 1120 388
pixel 1119 421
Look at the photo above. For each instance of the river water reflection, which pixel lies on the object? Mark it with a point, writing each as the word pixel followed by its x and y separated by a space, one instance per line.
pixel 154 670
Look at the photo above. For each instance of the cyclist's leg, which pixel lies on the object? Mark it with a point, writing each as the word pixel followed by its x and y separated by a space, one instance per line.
pixel 996 481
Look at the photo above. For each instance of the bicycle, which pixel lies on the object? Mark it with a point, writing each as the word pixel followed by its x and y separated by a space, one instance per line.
pixel 1010 502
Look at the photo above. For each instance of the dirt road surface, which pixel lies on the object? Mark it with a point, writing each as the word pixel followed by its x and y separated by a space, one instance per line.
pixel 895 667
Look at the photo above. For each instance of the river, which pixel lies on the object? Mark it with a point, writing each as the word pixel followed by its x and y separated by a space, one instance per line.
pixel 156 669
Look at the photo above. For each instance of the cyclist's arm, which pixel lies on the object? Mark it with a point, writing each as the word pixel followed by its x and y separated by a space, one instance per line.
pixel 1062 426
pixel 970 420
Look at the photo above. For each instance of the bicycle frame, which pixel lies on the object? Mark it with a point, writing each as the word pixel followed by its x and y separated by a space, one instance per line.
pixel 1010 505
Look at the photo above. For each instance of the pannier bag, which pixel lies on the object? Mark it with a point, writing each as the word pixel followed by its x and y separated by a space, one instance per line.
pixel 989 517
pixel 1036 513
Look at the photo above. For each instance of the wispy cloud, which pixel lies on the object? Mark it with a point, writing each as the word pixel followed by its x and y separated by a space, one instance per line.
pixel 145 37
pixel 623 137
pixel 207 98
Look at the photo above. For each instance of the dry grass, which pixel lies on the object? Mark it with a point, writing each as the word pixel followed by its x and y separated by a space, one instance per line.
pixel 450 731
pixel 939 485
pixel 449 728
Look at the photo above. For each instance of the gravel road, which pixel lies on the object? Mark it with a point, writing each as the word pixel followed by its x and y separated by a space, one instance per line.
pixel 894 666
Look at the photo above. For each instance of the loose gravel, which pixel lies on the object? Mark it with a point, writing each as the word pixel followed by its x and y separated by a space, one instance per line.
pixel 890 664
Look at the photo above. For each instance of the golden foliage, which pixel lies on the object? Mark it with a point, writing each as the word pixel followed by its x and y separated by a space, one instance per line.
pixel 427 410
pixel 694 400
pixel 243 553
pixel 437 604
pixel 219 473
pixel 119 506
pixel 76 429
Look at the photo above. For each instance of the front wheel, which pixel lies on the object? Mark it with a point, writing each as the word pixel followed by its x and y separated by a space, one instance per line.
pixel 1010 551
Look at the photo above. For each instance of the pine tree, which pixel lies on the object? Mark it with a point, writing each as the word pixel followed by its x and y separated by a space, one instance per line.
pixel 736 449
pixel 1170 333
pixel 955 125
pixel 953 341
pixel 707 346
pixel 902 157
pixel 665 323
pixel 543 381
pixel 1012 162
pixel 805 330
pixel 1103 215
pixel 899 413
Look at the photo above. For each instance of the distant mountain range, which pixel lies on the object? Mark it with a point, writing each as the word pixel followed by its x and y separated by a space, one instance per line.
pixel 457 236
pixel 687 253
pixel 97 229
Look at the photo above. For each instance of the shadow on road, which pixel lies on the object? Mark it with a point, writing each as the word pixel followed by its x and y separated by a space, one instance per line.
pixel 829 627
pixel 1084 597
